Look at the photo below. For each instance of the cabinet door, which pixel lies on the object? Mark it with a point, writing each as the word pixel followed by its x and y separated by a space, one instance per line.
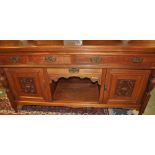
pixel 29 84
pixel 125 86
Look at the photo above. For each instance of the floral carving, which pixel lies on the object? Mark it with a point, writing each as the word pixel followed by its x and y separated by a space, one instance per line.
pixel 27 85
pixel 125 87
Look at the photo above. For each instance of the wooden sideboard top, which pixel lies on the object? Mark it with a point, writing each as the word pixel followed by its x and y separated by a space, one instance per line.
pixel 87 46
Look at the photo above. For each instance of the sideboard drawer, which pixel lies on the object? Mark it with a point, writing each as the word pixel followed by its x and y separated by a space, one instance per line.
pixel 50 59
pixel 129 60
pixel 13 60
pixel 114 60
pixel 73 71
pixel 88 59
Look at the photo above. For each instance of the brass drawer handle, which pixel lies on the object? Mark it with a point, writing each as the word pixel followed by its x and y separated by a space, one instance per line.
pixel 96 59
pixel 137 60
pixel 74 70
pixel 50 58
pixel 14 59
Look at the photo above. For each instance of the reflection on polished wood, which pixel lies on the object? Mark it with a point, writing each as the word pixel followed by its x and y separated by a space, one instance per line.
pixel 142 43
pixel 7 43
pixel 46 42
pixel 102 42
pixel 50 43
pixel 19 43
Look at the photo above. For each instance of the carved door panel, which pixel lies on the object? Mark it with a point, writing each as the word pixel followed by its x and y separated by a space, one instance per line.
pixel 29 84
pixel 125 86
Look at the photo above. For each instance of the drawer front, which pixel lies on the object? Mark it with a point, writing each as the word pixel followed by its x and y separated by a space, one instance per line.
pixel 50 59
pixel 88 59
pixel 57 73
pixel 73 71
pixel 115 60
pixel 130 60
pixel 13 60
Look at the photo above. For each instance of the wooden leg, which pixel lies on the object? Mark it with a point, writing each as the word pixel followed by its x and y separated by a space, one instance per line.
pixel 147 95
pixel 145 102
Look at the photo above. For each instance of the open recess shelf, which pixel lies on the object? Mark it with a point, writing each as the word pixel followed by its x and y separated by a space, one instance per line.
pixel 75 89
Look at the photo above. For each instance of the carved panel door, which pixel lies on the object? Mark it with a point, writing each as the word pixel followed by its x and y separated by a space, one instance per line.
pixel 125 86
pixel 29 84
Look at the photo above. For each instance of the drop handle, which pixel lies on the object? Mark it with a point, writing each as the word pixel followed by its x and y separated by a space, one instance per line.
pixel 14 59
pixel 137 60
pixel 50 58
pixel 96 59
pixel 74 70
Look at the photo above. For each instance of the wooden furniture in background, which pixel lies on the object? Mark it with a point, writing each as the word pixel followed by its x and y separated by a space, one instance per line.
pixel 108 74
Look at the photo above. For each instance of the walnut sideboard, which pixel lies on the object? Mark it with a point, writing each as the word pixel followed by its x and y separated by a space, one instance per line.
pixel 107 74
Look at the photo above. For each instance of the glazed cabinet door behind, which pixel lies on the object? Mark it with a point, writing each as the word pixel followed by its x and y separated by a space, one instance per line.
pixel 125 86
pixel 29 84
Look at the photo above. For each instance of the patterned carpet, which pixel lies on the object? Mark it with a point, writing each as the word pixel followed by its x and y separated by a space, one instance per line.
pixel 6 109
